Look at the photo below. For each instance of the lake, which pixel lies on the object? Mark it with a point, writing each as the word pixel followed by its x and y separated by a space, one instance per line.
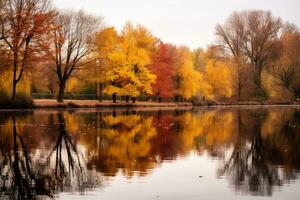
pixel 182 154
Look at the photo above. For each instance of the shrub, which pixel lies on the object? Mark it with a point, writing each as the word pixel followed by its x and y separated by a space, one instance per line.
pixel 261 94
pixel 4 99
pixel 21 101
pixel 211 103
pixel 72 105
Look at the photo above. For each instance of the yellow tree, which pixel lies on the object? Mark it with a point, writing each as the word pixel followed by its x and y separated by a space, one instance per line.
pixel 6 83
pixel 130 75
pixel 219 77
pixel 106 41
pixel 189 82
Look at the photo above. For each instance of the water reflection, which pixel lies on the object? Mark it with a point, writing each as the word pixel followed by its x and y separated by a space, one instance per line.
pixel 38 158
pixel 265 152
pixel 46 152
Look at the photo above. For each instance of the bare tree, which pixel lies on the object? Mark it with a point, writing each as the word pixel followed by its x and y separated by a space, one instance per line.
pixel 231 37
pixel 286 67
pixel 247 38
pixel 261 30
pixel 23 28
pixel 71 45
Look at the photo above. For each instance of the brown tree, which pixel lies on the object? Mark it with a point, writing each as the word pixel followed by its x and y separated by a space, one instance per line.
pixel 286 67
pixel 231 37
pixel 24 25
pixel 71 45
pixel 261 30
pixel 248 37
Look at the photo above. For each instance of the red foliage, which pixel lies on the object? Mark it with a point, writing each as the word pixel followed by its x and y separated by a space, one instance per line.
pixel 165 144
pixel 162 67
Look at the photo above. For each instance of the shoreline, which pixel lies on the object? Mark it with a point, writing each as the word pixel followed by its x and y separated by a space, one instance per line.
pixel 108 105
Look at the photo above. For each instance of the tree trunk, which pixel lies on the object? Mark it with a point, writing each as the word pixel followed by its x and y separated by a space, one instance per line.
pixel 294 93
pixel 96 90
pixel 114 97
pixel 14 84
pixel 100 92
pixel 177 98
pixel 159 99
pixel 61 92
pixel 14 90
pixel 133 99
pixel 14 81
pixel 127 99
pixel 258 79
pixel 239 92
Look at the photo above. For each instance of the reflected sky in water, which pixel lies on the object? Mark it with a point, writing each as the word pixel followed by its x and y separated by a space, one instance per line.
pixel 150 154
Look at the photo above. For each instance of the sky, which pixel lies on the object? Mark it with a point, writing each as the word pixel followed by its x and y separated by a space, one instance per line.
pixel 181 22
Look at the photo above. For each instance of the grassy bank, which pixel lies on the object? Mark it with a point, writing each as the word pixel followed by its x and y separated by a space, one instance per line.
pixel 50 103
pixel 46 103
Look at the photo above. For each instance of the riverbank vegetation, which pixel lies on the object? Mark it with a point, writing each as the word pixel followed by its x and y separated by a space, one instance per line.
pixel 255 57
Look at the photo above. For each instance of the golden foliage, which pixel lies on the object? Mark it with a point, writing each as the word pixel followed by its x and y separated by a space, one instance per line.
pixel 219 77
pixel 129 74
pixel 191 81
pixel 6 83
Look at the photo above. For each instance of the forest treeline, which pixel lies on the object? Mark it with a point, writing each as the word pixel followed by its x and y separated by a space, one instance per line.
pixel 44 50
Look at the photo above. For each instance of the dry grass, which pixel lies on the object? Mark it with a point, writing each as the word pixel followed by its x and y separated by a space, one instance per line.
pixel 49 103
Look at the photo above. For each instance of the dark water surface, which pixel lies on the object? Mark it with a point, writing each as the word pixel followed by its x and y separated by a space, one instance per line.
pixel 237 153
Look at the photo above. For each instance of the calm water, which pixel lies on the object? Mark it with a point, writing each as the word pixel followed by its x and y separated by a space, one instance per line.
pixel 150 154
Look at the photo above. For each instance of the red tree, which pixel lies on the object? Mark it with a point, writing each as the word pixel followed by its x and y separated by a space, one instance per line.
pixel 162 67
pixel 24 27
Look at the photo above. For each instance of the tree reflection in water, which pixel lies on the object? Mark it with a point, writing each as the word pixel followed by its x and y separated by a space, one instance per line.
pixel 25 174
pixel 19 179
pixel 44 154
pixel 253 166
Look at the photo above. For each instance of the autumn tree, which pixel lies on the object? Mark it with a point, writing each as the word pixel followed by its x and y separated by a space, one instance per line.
pixel 231 37
pixel 130 74
pixel 286 67
pixel 218 76
pixel 199 59
pixel 71 45
pixel 106 42
pixel 261 30
pixel 49 82
pixel 247 38
pixel 188 81
pixel 163 67
pixel 24 25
